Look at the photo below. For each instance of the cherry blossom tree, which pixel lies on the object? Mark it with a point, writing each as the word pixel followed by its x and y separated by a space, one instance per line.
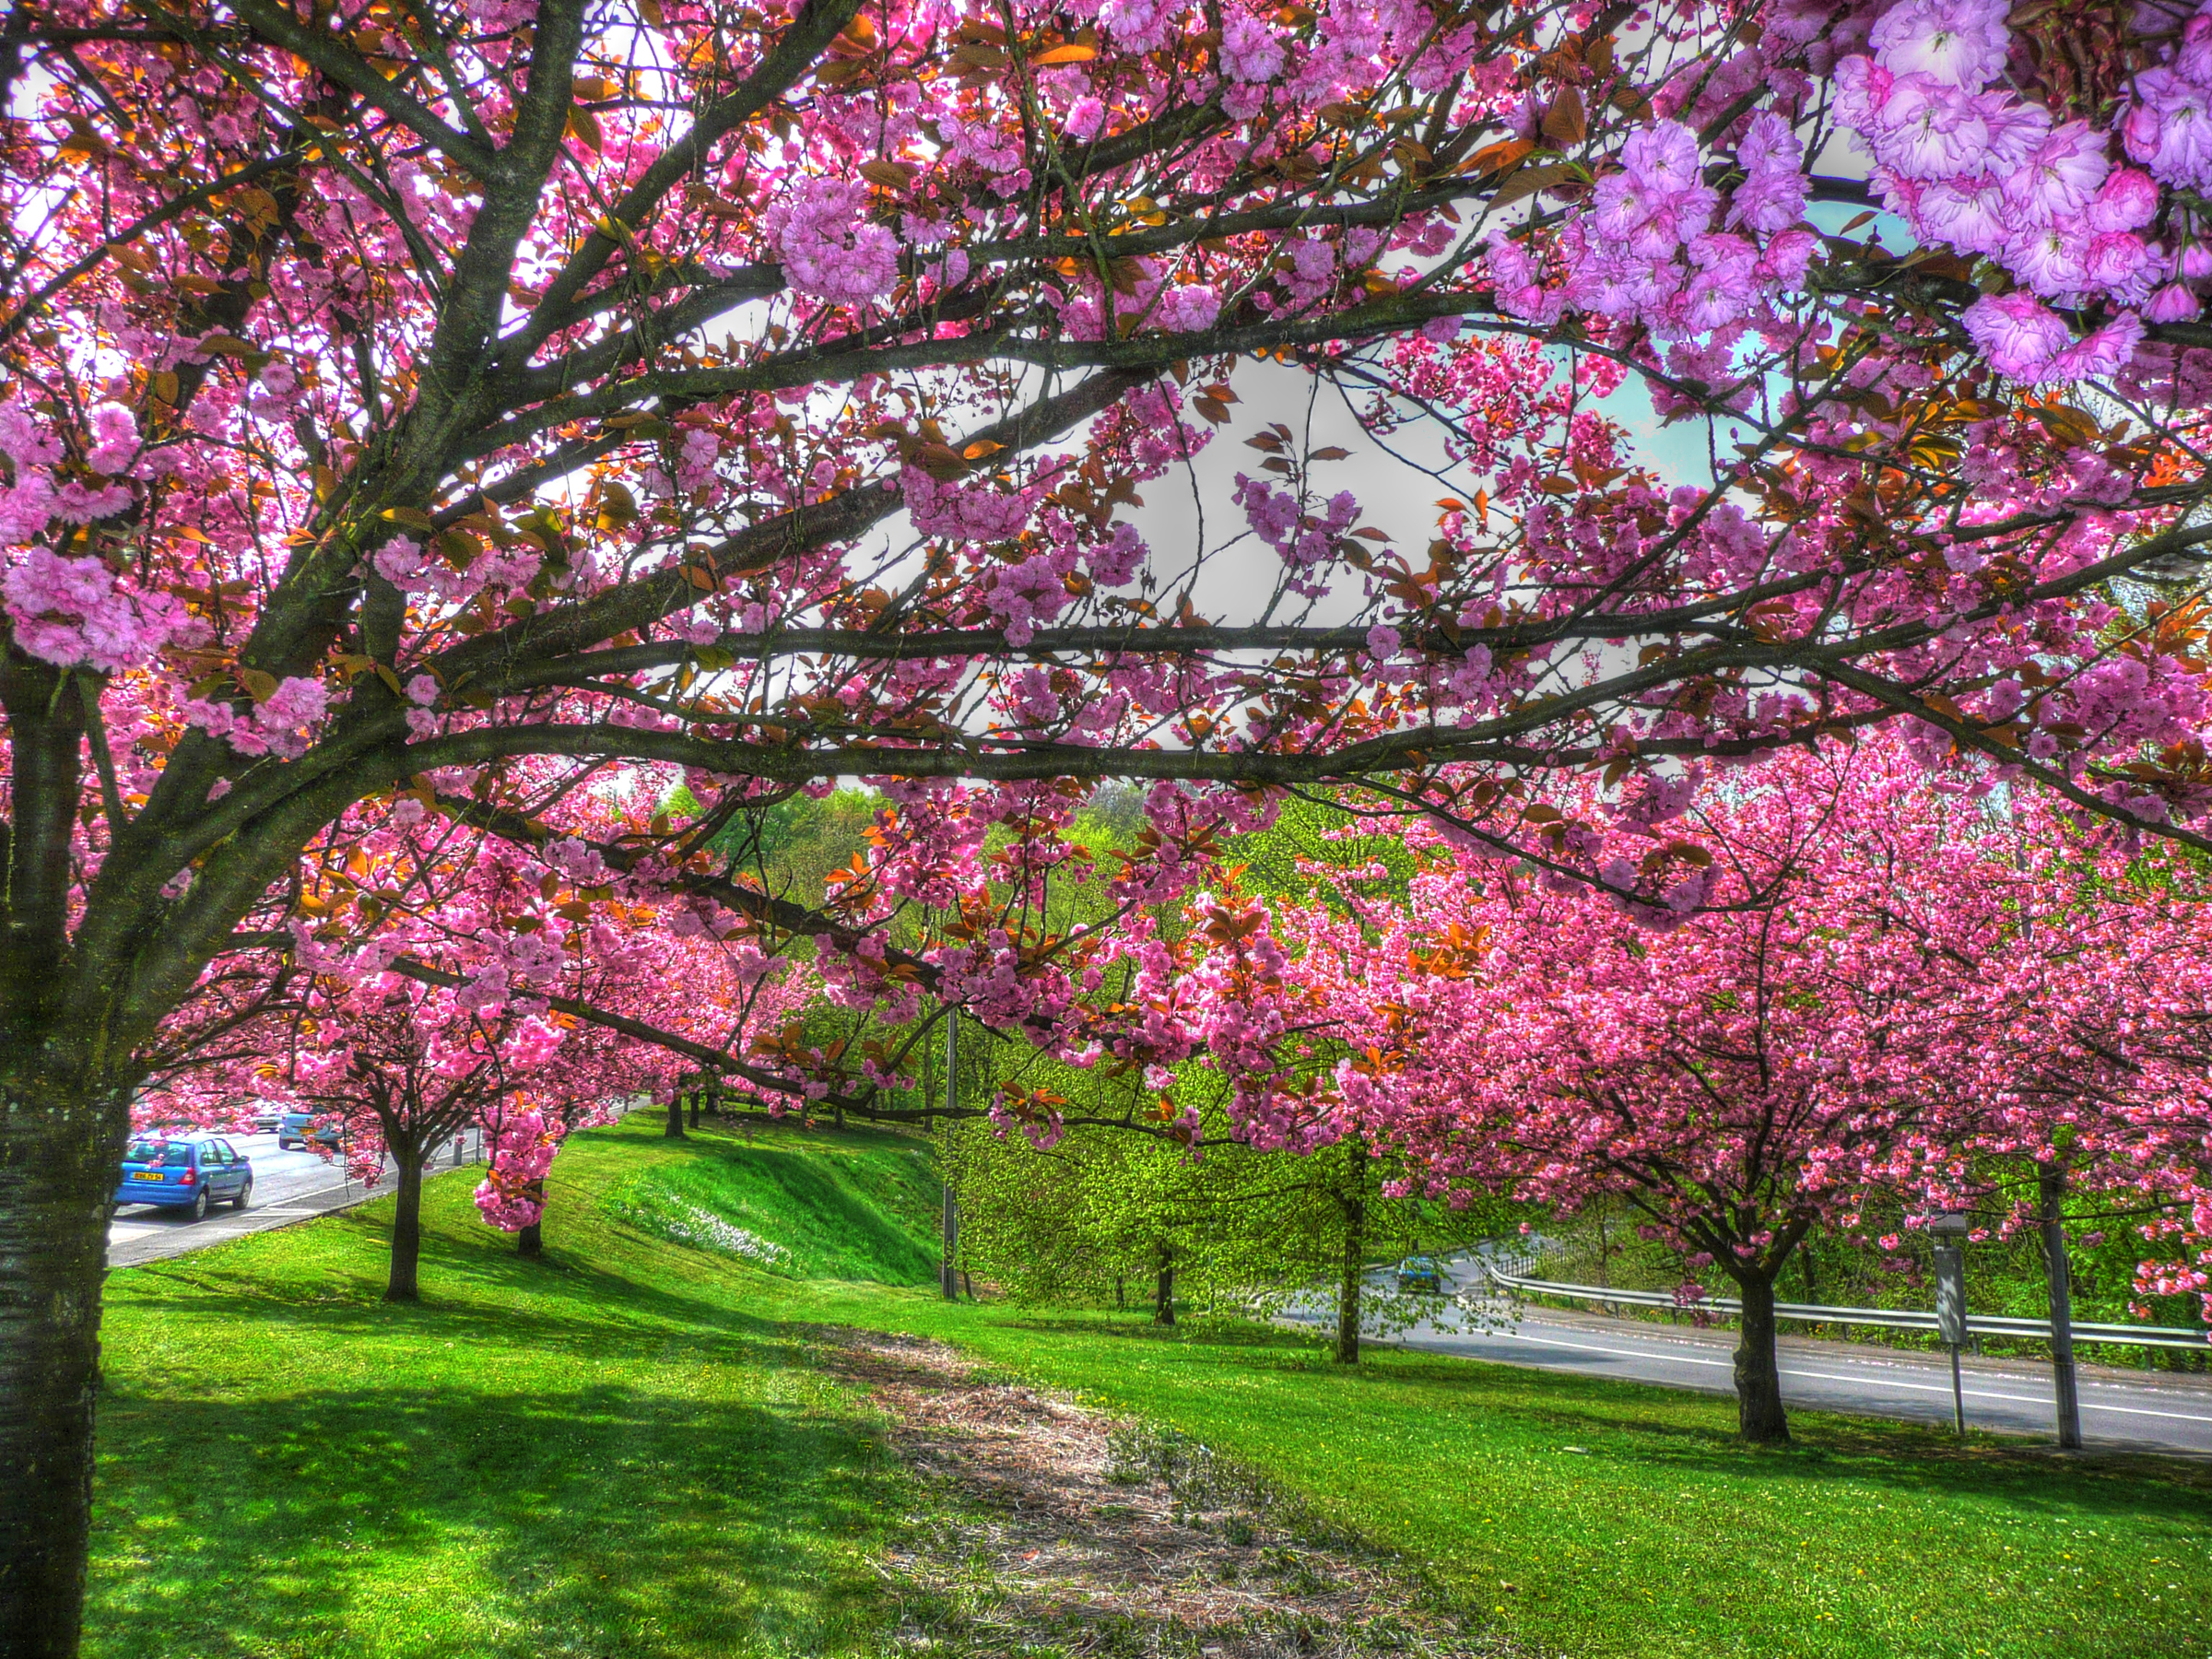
pixel 403 1069
pixel 453 404
pixel 1857 988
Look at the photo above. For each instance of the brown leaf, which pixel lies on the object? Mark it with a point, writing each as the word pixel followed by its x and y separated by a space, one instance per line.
pixel 892 175
pixel 1526 182
pixel 1567 122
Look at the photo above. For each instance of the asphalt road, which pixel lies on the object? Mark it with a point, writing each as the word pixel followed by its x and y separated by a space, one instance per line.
pixel 2119 1408
pixel 288 1187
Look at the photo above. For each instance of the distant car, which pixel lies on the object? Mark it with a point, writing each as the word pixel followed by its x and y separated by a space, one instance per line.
pixel 191 1173
pixel 300 1129
pixel 267 1115
pixel 1420 1272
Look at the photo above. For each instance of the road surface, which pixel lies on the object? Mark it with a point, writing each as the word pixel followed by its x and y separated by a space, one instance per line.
pixel 288 1187
pixel 2137 1410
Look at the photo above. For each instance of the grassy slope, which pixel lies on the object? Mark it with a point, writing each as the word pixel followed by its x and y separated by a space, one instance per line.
pixel 617 1456
pixel 630 1454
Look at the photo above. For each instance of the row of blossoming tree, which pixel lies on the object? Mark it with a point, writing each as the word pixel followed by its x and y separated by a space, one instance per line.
pixel 1879 998
pixel 451 403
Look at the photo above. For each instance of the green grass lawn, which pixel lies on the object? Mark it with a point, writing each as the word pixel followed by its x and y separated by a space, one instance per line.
pixel 630 1451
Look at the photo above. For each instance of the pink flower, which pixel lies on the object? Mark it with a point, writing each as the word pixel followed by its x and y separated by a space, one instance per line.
pixel 2175 302
pixel 1250 52
pixel 1188 308
pixel 399 560
pixel 1862 94
pixel 67 611
pixel 25 438
pixel 1661 156
pixel 1969 216
pixel 1931 130
pixel 1656 201
pixel 2017 333
pixel 1959 43
pixel 1084 117
pixel 2127 202
pixel 114 438
pixel 2170 129
pixel 2103 354
pixel 2120 263
pixel 422 690
pixel 2050 259
pixel 1382 642
pixel 1771 196
pixel 293 704
pixel 2063 174
pixel 828 247
pixel 74 504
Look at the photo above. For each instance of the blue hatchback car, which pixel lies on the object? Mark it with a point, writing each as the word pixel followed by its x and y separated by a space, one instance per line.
pixel 305 1129
pixel 191 1173
pixel 1420 1272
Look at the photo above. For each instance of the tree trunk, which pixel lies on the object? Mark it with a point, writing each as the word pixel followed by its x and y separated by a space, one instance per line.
pixel 1163 1297
pixel 676 1117
pixel 950 1245
pixel 406 1227
pixel 695 1101
pixel 1759 1412
pixel 1347 1288
pixel 59 1149
pixel 1120 1294
pixel 2066 1390
pixel 530 1242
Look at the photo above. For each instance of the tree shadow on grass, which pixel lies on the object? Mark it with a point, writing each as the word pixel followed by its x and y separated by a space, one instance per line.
pixel 443 1520
pixel 474 1283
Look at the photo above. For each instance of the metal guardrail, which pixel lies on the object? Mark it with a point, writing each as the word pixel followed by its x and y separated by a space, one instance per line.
pixel 1895 1319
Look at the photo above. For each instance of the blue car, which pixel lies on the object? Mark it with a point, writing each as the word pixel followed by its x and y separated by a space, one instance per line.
pixel 1419 1274
pixel 298 1129
pixel 191 1173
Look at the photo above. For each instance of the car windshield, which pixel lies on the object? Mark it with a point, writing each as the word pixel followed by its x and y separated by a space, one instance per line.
pixel 161 1153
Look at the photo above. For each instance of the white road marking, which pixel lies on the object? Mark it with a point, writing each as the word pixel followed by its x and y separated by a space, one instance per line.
pixel 1862 1381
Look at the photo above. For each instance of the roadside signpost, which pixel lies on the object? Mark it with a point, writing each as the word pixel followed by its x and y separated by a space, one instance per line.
pixel 1950 1299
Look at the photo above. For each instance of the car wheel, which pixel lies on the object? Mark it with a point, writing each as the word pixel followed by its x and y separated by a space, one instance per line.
pixel 283 1145
pixel 245 1195
pixel 198 1212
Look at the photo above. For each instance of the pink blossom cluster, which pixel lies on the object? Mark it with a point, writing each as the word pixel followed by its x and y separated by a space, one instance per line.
pixel 1648 248
pixel 828 246
pixel 1992 174
pixel 407 565
pixel 278 724
pixel 71 611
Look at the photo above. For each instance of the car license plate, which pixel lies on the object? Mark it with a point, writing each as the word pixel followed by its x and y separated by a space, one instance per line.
pixel 144 1175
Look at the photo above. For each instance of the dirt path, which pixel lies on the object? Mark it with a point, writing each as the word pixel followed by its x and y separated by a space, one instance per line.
pixel 1068 1534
